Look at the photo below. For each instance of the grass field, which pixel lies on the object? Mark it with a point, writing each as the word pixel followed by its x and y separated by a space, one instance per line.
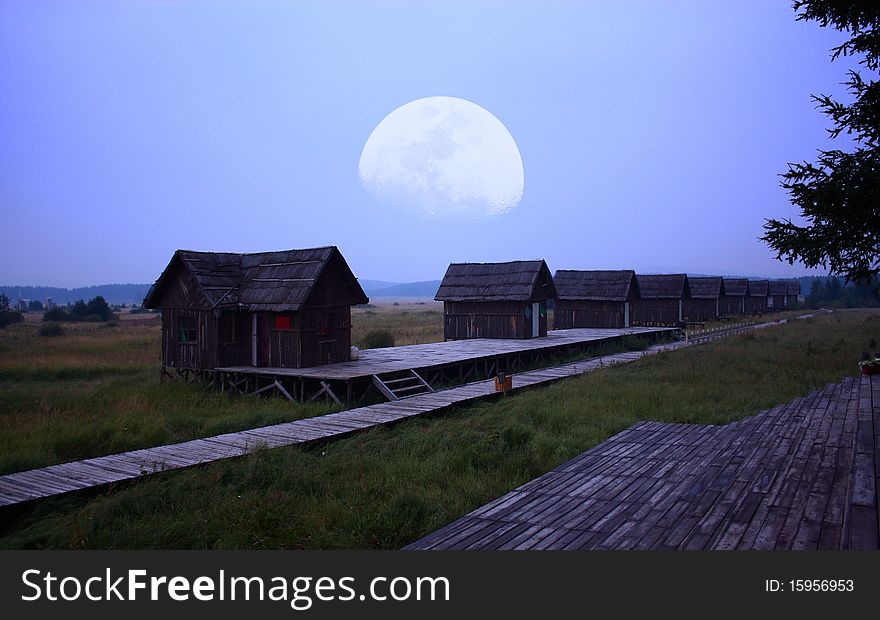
pixel 413 322
pixel 95 390
pixel 389 486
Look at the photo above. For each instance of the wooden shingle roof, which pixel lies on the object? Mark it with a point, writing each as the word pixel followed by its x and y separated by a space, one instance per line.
pixel 758 288
pixel 577 285
pixel 511 281
pixel 794 287
pixel 705 287
pixel 663 286
pixel 777 287
pixel 736 287
pixel 263 281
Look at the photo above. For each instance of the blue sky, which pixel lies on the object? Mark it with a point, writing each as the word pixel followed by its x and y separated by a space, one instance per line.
pixel 651 133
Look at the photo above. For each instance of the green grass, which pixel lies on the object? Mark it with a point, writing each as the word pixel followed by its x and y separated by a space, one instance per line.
pixel 408 325
pixel 389 486
pixel 96 390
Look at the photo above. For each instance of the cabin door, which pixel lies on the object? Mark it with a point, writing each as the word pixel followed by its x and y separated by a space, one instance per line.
pixel 536 320
pixel 626 314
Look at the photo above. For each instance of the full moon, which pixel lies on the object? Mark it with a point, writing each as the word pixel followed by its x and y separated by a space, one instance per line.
pixel 443 156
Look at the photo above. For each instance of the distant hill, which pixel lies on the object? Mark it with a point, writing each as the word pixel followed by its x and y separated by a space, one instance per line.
pixel 113 293
pixel 371 286
pixel 428 288
pixel 135 293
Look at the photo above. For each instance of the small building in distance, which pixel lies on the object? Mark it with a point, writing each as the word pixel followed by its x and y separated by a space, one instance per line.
pixel 278 309
pixel 756 300
pixel 661 299
pixel 705 300
pixel 794 292
pixel 777 295
pixel 496 300
pixel 733 296
pixel 594 298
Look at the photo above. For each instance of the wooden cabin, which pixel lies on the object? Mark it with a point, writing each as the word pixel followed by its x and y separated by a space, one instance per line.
pixel 794 292
pixel 756 300
pixel 286 309
pixel 705 300
pixel 777 295
pixel 733 296
pixel 594 298
pixel 496 300
pixel 661 299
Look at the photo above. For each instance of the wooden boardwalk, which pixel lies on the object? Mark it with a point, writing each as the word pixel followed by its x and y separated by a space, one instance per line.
pixel 803 475
pixel 57 479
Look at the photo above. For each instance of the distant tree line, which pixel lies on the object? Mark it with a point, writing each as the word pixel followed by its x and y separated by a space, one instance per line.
pixel 833 292
pixel 113 293
pixel 97 309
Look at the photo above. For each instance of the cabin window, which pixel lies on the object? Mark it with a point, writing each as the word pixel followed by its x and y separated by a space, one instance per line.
pixel 187 329
pixel 282 322
pixel 326 325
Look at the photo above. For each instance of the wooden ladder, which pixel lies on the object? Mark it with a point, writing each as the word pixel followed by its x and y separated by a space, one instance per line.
pixel 401 384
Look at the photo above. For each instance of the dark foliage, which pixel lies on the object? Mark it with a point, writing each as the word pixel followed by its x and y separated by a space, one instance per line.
pixel 8 317
pixel 52 328
pixel 839 194
pixel 377 339
pixel 95 310
pixel 35 305
pixel 832 292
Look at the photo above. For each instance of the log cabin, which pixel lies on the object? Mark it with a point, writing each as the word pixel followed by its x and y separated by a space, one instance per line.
pixel 661 299
pixel 496 300
pixel 756 300
pixel 733 296
pixel 270 309
pixel 594 298
pixel 794 292
pixel 704 303
pixel 777 295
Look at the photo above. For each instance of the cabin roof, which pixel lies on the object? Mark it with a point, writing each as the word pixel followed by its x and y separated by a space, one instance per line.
pixel 663 286
pixel 263 281
pixel 758 288
pixel 736 287
pixel 794 287
pixel 705 287
pixel 511 281
pixel 777 287
pixel 608 285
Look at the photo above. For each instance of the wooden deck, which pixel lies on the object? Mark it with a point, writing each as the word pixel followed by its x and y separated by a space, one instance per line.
pixel 420 356
pixel 803 475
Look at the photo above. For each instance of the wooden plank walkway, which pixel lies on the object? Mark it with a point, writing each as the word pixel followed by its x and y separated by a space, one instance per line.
pixel 803 475
pixel 55 479
pixel 67 477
